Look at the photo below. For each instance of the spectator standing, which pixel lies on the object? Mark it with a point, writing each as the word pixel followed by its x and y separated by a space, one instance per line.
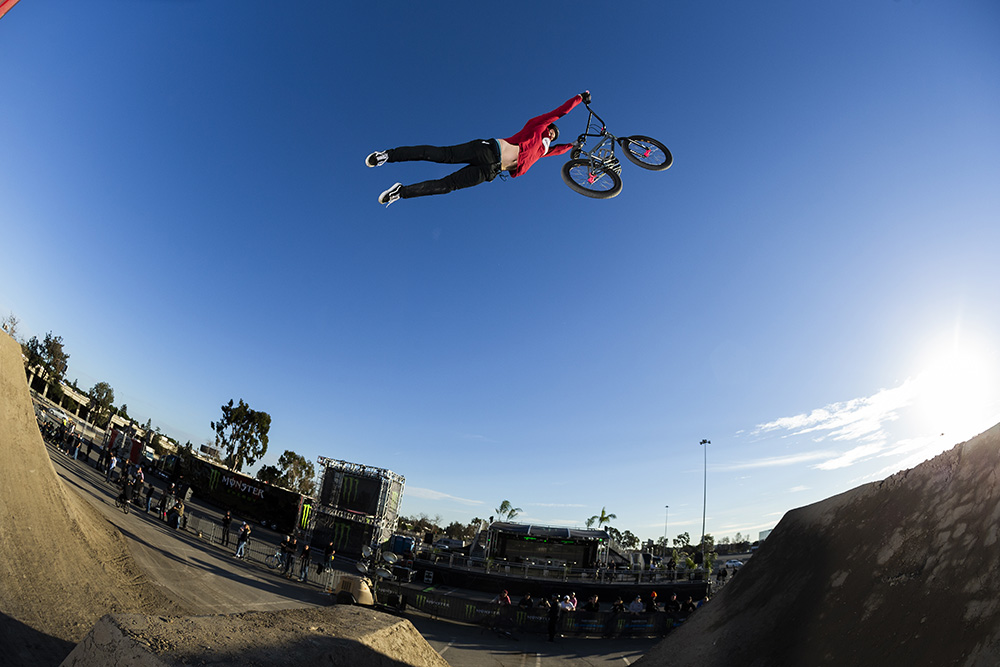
pixel 289 548
pixel 304 560
pixel 227 519
pixel 555 611
pixel 112 462
pixel 242 539
pixel 328 555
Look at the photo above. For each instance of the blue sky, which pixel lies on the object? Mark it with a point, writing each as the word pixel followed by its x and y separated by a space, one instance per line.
pixel 812 286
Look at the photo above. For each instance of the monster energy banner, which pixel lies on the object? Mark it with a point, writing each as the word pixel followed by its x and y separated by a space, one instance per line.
pixel 536 620
pixel 348 536
pixel 244 495
pixel 359 494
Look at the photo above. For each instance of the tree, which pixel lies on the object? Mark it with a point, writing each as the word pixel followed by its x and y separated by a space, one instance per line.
pixel 50 355
pixel 601 519
pixel 184 457
pixel 456 530
pixel 297 473
pixel 506 511
pixel 629 541
pixel 123 412
pixel 102 398
pixel 9 324
pixel 242 434
pixel 682 540
pixel 269 475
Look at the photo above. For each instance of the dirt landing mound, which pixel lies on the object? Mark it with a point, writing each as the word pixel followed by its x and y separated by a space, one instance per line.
pixel 332 636
pixel 898 572
pixel 62 566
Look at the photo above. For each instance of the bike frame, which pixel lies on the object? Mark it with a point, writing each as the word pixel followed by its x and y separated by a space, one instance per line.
pixel 604 151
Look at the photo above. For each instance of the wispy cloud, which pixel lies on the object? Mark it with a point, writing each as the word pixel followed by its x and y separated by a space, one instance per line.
pixel 430 494
pixel 555 505
pixel 778 461
pixel 475 437
pixel 860 420
pixel 857 419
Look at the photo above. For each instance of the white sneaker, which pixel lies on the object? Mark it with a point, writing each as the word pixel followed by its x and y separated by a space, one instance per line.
pixel 377 159
pixel 390 195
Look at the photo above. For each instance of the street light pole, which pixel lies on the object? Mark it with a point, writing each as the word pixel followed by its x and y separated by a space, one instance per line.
pixel 666 520
pixel 704 501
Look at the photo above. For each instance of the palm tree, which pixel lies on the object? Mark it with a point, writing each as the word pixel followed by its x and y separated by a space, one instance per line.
pixel 506 511
pixel 601 519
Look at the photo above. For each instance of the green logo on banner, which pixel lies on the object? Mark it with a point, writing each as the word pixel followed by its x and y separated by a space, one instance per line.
pixel 341 533
pixel 470 610
pixel 213 479
pixel 349 490
pixel 306 514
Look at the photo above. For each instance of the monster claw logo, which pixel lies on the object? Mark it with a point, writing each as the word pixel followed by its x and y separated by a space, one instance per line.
pixel 341 533
pixel 213 479
pixel 349 490
pixel 306 514
pixel 521 617
pixel 470 610
pixel 421 599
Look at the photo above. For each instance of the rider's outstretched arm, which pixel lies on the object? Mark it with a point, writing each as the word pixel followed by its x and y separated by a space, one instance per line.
pixel 556 113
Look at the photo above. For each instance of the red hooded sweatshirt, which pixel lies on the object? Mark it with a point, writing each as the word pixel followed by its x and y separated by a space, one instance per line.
pixel 529 139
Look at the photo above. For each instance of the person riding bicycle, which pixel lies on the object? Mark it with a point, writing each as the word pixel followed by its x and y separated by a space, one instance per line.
pixel 485 158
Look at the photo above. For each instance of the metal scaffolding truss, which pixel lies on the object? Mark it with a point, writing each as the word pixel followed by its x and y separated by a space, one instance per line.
pixel 390 494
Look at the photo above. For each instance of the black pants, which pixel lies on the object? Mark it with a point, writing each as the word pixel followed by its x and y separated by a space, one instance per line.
pixel 482 157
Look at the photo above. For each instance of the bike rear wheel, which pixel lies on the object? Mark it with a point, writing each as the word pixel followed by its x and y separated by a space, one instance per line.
pixel 595 181
pixel 272 561
pixel 646 152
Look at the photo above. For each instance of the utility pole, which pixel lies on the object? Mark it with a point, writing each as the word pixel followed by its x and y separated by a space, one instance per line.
pixel 704 501
pixel 666 520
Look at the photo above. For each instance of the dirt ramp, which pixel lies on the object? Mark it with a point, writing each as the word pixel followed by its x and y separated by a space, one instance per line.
pixel 62 566
pixel 898 572
pixel 348 636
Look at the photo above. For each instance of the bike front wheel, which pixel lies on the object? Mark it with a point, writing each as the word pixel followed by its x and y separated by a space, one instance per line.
pixel 591 180
pixel 272 561
pixel 646 152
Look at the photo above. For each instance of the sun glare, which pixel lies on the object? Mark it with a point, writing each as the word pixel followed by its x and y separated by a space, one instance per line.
pixel 957 391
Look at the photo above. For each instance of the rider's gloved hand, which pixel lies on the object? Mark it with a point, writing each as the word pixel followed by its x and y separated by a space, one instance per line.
pixel 585 95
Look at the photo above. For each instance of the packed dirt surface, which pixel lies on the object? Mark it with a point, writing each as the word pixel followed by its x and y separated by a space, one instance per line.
pixel 63 567
pixel 898 572
pixel 340 635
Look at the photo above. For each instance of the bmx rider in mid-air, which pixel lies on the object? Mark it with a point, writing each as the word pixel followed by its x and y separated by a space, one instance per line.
pixel 485 158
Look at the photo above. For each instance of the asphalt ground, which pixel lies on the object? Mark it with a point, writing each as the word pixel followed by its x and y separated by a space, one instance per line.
pixel 206 579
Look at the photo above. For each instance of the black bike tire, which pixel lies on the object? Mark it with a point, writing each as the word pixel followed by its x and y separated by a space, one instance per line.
pixel 271 562
pixel 625 141
pixel 567 175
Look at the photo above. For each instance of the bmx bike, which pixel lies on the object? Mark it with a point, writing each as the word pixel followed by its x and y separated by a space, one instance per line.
pixel 597 172
pixel 121 503
pixel 276 560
